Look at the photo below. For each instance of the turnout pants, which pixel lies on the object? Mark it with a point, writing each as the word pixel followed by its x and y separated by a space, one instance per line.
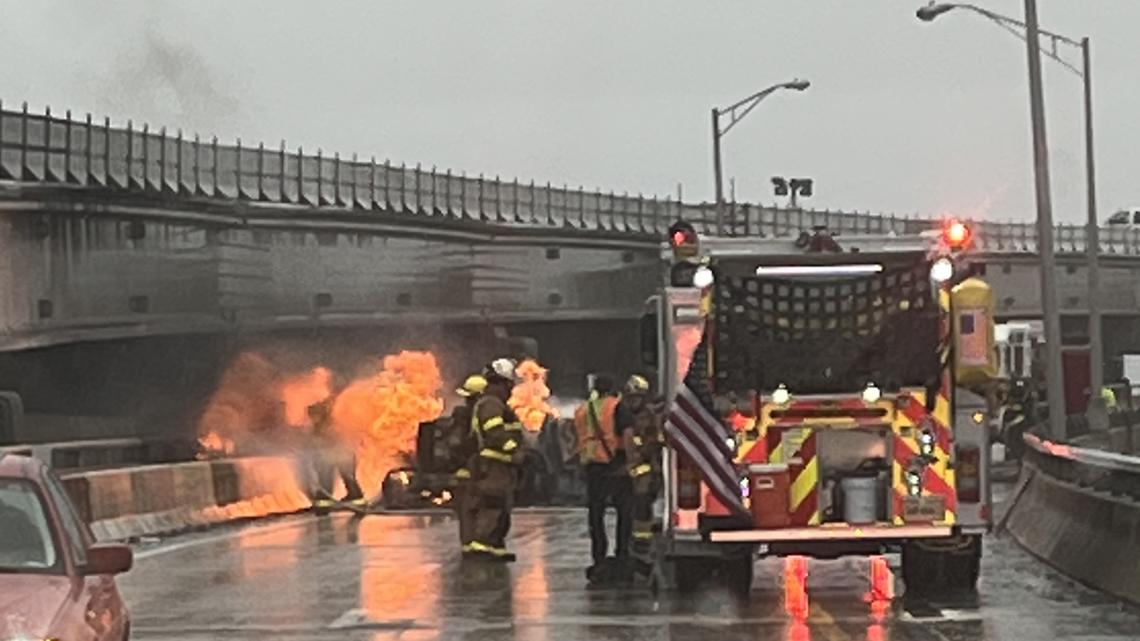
pixel 466 509
pixel 608 483
pixel 494 498
pixel 337 461
pixel 645 488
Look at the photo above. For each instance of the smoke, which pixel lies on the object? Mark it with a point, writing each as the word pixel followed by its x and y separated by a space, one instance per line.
pixel 301 392
pixel 244 405
pixel 174 80
pixel 263 400
pixel 262 403
pixel 142 63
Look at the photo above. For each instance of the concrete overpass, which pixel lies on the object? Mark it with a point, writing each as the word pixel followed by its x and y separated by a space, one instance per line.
pixel 122 244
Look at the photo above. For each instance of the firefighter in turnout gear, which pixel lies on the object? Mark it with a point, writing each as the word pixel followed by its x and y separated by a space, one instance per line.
pixel 333 457
pixel 465 452
pixel 1020 414
pixel 637 414
pixel 495 472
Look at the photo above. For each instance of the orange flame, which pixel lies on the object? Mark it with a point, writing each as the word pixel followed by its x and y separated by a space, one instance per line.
pixel 243 403
pixel 380 414
pixel 530 394
pixel 216 443
pixel 301 392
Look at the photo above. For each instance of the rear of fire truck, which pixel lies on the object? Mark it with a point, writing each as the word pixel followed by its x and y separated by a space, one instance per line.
pixel 852 370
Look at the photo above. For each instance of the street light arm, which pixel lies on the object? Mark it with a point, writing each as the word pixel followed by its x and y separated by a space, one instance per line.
pixel 1014 26
pixel 1009 22
pixel 750 102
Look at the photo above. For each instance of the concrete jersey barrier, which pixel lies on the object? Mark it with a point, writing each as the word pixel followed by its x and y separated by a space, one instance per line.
pixel 158 499
pixel 1090 534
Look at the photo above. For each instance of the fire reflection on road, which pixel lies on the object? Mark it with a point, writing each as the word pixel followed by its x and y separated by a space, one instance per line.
pixel 398 579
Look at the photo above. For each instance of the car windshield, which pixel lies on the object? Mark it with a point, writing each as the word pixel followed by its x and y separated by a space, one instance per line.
pixel 26 541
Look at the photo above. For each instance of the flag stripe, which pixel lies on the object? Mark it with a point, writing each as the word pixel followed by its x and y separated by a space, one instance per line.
pixel 716 484
pixel 695 430
pixel 709 457
pixel 707 452
pixel 713 451
pixel 708 423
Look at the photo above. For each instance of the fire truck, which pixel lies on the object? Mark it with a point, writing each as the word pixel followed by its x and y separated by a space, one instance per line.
pixel 852 371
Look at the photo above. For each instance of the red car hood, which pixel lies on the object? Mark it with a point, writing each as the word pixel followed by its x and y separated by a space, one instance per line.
pixel 29 603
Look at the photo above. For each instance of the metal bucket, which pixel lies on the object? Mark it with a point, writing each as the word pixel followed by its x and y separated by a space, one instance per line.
pixel 860 499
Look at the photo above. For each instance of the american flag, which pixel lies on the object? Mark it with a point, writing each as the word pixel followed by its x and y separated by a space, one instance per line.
pixel 692 428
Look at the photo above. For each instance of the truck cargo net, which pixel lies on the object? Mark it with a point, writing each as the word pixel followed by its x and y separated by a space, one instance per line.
pixel 828 334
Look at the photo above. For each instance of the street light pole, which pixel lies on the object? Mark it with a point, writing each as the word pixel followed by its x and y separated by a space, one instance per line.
pixel 745 106
pixel 717 172
pixel 1049 307
pixel 1092 237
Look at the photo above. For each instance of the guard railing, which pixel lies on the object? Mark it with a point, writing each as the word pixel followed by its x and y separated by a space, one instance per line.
pixel 46 149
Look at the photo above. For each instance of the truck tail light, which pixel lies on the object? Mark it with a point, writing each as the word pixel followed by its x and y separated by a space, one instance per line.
pixel 688 488
pixel 969 474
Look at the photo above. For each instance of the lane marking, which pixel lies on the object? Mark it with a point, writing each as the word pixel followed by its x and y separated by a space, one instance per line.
pixel 947 615
pixel 828 626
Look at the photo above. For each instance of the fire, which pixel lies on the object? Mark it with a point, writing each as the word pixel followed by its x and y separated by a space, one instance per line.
pixel 377 415
pixel 214 442
pixel 380 414
pixel 530 394
pixel 301 392
pixel 244 403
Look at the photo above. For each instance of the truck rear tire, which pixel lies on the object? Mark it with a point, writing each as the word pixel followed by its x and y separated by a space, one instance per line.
pixel 919 569
pixel 736 576
pixel 954 567
pixel 691 574
pixel 961 567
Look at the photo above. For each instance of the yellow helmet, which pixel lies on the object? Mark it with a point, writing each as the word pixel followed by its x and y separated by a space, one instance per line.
pixel 637 385
pixel 473 386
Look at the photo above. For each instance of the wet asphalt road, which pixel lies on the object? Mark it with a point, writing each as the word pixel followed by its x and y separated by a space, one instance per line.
pixel 400 577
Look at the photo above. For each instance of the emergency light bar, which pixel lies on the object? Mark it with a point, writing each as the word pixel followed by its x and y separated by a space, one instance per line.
pixel 819 270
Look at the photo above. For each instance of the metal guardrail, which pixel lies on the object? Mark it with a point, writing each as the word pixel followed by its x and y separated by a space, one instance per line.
pixel 106 453
pixel 47 149
pixel 1118 474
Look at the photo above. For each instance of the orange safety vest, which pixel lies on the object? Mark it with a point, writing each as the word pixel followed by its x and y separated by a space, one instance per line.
pixel 596 431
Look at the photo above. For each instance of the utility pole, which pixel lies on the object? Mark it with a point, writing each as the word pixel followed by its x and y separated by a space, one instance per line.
pixel 1050 310
pixel 1092 239
pixel 745 107
pixel 717 173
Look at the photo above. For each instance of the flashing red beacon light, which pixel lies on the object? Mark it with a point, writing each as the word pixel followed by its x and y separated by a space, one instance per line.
pixel 683 239
pixel 956 234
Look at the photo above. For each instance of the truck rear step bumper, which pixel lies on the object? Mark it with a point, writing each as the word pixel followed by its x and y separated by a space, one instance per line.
pixel 832 533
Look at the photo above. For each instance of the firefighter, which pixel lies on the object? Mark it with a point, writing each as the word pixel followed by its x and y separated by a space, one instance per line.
pixel 333 457
pixel 638 419
pixel 603 456
pixel 495 470
pixel 1109 398
pixel 1020 415
pixel 466 448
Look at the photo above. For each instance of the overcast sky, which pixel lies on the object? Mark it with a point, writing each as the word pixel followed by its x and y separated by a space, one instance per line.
pixel 901 117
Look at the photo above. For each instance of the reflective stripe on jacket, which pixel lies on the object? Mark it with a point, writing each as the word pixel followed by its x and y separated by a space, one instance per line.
pixel 597 436
pixel 498 431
